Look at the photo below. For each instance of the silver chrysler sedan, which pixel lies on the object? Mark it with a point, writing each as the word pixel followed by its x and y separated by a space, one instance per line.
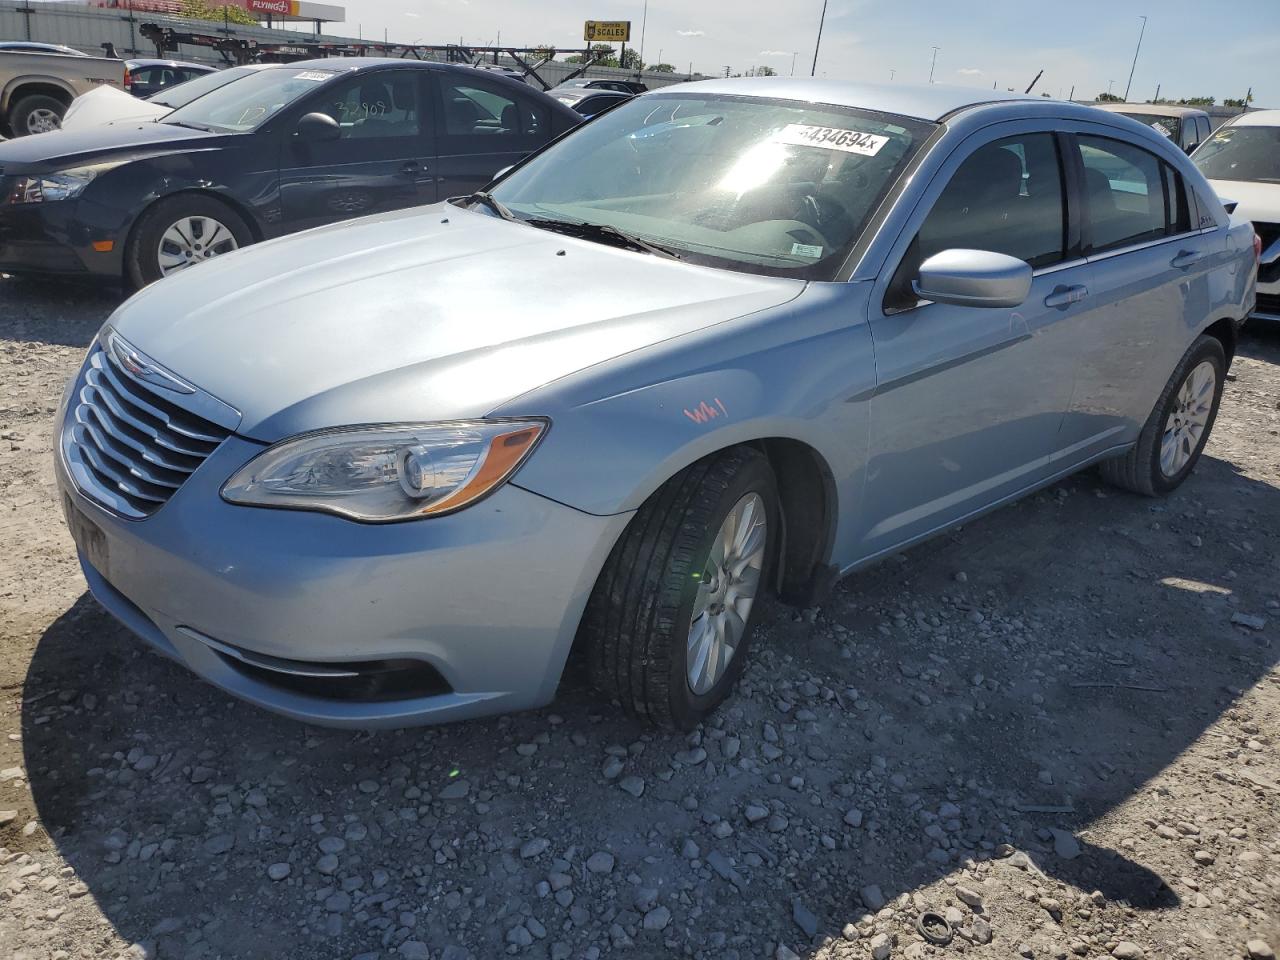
pixel 731 338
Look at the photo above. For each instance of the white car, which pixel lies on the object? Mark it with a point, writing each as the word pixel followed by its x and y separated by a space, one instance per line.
pixel 1242 162
pixel 107 105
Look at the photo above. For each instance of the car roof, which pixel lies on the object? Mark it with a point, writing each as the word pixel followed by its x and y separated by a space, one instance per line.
pixel 922 101
pixel 582 93
pixel 1257 118
pixel 1151 109
pixel 152 62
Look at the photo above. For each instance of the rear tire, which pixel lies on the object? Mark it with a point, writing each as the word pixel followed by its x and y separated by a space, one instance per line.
pixel 1179 425
pixel 36 113
pixel 215 220
pixel 644 609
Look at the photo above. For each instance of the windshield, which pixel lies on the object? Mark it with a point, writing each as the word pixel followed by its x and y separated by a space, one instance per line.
pixel 179 95
pixel 1170 127
pixel 250 101
pixel 762 186
pixel 1241 153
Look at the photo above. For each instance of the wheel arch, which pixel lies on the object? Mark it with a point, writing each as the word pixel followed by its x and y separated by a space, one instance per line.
pixel 245 214
pixel 1227 333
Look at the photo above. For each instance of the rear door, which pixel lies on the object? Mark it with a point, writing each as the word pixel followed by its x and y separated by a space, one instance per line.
pixel 1150 287
pixel 381 161
pixel 482 126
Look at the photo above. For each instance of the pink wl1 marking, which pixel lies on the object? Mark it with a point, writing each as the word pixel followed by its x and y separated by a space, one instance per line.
pixel 705 411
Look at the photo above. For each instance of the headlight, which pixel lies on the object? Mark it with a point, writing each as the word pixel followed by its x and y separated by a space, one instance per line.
pixel 52 186
pixel 384 473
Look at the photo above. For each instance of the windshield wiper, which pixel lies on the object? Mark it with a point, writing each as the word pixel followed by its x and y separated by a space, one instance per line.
pixel 492 202
pixel 605 233
pixel 189 126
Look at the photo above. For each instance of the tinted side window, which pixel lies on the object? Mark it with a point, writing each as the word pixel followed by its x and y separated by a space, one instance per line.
pixel 478 108
pixel 375 105
pixel 1204 128
pixel 1131 196
pixel 1007 197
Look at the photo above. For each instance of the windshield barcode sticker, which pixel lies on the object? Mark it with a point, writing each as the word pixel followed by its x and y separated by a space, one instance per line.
pixel 831 138
pixel 813 251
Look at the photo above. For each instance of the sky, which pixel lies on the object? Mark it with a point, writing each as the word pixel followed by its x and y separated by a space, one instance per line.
pixel 1085 44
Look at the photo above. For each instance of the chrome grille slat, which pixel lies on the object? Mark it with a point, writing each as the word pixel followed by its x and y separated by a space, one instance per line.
pixel 128 447
pixel 116 408
pixel 142 398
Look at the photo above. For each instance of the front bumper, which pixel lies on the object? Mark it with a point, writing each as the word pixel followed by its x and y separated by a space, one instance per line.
pixel 1268 304
pixel 489 597
pixel 56 238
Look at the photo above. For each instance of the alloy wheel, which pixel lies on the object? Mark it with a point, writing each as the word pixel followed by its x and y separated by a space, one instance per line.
pixel 43 120
pixel 1188 419
pixel 193 240
pixel 726 592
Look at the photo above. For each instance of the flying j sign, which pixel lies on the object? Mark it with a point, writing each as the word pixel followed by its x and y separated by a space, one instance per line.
pixel 607 31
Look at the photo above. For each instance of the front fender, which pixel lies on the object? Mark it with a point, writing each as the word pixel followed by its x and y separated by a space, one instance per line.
pixel 797 372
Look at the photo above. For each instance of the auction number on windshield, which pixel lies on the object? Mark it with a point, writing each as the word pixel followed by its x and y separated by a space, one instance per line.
pixel 831 138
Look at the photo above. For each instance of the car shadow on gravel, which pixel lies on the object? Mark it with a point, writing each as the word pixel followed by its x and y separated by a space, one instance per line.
pixel 55 310
pixel 1084 644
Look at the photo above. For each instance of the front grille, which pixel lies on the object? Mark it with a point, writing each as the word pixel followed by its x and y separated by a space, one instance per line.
pixel 1268 303
pixel 129 448
pixel 1269 232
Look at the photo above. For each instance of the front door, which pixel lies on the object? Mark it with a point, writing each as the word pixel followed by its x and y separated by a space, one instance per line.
pixel 382 159
pixel 483 127
pixel 969 400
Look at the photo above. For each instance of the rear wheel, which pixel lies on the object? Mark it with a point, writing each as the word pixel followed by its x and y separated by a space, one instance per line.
pixel 36 113
pixel 669 623
pixel 1177 430
pixel 180 232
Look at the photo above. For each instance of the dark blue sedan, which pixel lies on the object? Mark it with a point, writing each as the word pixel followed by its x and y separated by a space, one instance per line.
pixel 289 147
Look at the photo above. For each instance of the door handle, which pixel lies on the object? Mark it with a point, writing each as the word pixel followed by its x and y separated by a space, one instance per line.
pixel 1187 258
pixel 1065 296
pixel 411 167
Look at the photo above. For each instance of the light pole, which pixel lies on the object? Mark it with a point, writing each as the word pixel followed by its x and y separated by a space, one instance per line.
pixel 891 73
pixel 933 63
pixel 793 62
pixel 821 20
pixel 1110 84
pixel 644 20
pixel 1135 59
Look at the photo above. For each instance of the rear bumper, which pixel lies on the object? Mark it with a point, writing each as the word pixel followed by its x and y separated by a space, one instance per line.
pixel 488 600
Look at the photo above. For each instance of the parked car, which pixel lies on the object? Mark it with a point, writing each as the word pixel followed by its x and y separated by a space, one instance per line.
pixel 31 46
pixel 1242 162
pixel 145 78
pixel 37 88
pixel 619 86
pixel 589 102
pixel 743 335
pixel 109 105
pixel 282 149
pixel 1185 126
pixel 501 70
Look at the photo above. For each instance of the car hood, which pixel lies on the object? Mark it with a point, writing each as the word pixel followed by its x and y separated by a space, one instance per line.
pixel 428 314
pixel 109 105
pixel 1257 201
pixel 59 149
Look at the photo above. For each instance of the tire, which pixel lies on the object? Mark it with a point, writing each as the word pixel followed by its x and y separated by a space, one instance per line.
pixel 1148 467
pixel 638 621
pixel 143 255
pixel 36 113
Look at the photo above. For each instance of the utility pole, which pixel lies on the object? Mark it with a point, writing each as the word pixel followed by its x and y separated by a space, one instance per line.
pixel 818 44
pixel 1110 84
pixel 933 63
pixel 1072 95
pixel 891 73
pixel 644 20
pixel 1135 59
pixel 1156 99
pixel 793 62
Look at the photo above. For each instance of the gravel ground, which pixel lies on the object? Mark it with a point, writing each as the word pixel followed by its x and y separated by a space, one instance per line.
pixel 1056 727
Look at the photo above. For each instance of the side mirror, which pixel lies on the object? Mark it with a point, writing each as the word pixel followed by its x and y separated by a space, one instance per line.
pixel 317 128
pixel 974 278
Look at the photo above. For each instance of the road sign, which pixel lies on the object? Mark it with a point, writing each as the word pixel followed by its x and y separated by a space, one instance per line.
pixel 607 31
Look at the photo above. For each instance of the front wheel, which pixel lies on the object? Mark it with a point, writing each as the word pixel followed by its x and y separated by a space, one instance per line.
pixel 36 113
pixel 1178 428
pixel 180 232
pixel 668 625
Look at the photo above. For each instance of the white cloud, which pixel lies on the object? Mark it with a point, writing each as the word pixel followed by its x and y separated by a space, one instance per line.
pixel 969 72
pixel 414 15
pixel 692 33
pixel 775 53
